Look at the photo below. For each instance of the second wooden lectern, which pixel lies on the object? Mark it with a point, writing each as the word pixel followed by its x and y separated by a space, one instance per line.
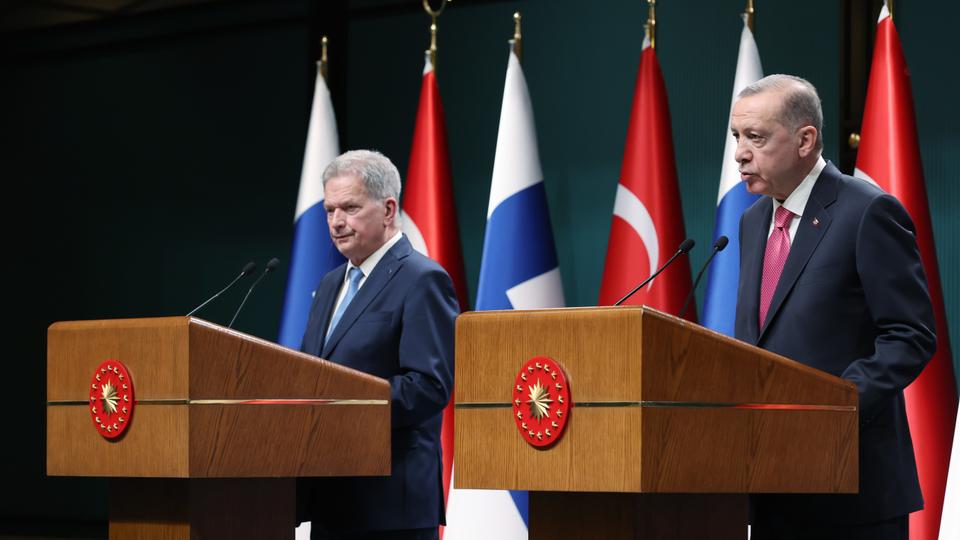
pixel 669 424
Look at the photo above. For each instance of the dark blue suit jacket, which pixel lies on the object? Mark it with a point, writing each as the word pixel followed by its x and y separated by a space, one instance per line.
pixel 852 301
pixel 400 327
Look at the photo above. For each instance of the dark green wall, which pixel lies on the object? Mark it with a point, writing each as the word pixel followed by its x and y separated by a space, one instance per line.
pixel 150 157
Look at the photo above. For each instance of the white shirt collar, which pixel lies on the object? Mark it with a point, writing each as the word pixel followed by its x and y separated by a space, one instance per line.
pixel 371 262
pixel 797 200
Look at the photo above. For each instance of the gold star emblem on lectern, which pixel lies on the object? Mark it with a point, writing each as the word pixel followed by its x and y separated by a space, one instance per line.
pixel 539 401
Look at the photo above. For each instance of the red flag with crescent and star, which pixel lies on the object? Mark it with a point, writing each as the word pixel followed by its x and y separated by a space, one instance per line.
pixel 429 218
pixel 647 224
pixel 889 156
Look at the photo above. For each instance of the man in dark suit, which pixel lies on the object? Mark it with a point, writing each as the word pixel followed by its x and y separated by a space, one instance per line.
pixel 830 276
pixel 388 311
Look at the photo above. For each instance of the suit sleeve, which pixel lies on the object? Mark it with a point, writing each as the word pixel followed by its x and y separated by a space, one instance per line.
pixel 895 288
pixel 423 387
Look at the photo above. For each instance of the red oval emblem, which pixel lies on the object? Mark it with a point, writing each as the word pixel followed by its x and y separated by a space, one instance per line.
pixel 541 401
pixel 111 398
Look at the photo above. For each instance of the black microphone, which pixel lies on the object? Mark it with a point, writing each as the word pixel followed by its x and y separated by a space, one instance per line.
pixel 248 269
pixel 270 266
pixel 717 248
pixel 685 246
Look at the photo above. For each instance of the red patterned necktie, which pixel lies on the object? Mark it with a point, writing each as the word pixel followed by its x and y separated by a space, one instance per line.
pixel 778 248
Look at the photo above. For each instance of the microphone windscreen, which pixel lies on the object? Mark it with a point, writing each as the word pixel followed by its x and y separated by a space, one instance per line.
pixel 687 245
pixel 249 268
pixel 274 262
pixel 721 243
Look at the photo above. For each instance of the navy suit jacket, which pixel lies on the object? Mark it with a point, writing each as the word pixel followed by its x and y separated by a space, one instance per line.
pixel 852 301
pixel 400 327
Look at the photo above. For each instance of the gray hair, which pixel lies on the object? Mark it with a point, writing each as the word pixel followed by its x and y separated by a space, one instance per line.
pixel 801 104
pixel 379 175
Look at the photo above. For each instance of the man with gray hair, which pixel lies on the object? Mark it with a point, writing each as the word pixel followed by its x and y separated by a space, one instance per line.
pixel 830 276
pixel 388 311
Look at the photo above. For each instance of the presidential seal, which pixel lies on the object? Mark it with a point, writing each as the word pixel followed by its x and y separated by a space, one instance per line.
pixel 541 401
pixel 111 399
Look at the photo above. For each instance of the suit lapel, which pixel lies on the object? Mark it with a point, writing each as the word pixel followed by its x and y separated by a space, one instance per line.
pixel 754 244
pixel 385 270
pixel 326 296
pixel 813 226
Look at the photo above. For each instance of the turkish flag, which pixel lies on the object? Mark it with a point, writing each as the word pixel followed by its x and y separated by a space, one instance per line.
pixel 647 218
pixel 429 217
pixel 889 155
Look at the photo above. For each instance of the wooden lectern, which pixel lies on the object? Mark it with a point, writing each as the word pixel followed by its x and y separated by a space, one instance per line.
pixel 223 424
pixel 671 424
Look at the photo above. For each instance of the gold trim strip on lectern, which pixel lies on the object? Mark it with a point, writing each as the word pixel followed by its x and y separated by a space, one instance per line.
pixel 680 405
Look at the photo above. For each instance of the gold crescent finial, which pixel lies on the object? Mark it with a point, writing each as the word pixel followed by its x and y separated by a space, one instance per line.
pixel 323 57
pixel 516 41
pixel 650 28
pixel 434 13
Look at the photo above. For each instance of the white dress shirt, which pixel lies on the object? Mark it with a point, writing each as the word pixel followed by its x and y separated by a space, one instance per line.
pixel 366 267
pixel 797 200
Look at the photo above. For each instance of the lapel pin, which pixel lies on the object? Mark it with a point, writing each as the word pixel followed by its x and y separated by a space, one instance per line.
pixel 816 222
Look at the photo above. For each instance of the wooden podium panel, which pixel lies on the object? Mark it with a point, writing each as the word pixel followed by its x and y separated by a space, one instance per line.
pixel 223 423
pixel 211 403
pixel 659 406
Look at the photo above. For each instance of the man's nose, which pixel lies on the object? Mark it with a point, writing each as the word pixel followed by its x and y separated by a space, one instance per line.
pixel 742 153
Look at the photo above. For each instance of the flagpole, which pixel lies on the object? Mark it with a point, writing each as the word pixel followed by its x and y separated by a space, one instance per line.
pixel 323 58
pixel 650 28
pixel 433 13
pixel 516 41
pixel 749 15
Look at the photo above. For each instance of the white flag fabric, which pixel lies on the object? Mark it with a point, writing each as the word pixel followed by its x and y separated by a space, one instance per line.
pixel 950 521
pixel 519 270
pixel 720 299
pixel 313 253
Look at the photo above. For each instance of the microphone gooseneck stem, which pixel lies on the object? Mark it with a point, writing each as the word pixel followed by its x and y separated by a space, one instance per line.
pixel 718 246
pixel 685 247
pixel 212 298
pixel 269 268
pixel 696 282
pixel 250 290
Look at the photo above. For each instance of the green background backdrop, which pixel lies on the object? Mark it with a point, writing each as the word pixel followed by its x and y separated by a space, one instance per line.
pixel 146 158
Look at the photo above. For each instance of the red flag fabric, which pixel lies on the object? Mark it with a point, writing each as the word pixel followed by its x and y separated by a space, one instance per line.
pixel 889 155
pixel 647 224
pixel 429 217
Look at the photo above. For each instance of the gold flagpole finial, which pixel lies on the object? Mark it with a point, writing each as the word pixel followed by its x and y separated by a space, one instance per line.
pixel 434 13
pixel 889 7
pixel 650 28
pixel 323 57
pixel 749 14
pixel 516 41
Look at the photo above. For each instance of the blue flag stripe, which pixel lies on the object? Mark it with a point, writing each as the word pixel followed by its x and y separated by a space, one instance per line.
pixel 311 256
pixel 720 300
pixel 518 245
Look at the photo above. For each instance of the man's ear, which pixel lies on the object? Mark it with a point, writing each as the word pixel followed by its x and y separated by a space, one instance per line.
pixel 808 140
pixel 390 211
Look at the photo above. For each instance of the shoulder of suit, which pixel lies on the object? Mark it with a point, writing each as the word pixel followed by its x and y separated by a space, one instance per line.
pixel 421 262
pixel 334 275
pixel 850 187
pixel 758 207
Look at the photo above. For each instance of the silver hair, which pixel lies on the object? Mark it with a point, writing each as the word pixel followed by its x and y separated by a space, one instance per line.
pixel 801 103
pixel 379 175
